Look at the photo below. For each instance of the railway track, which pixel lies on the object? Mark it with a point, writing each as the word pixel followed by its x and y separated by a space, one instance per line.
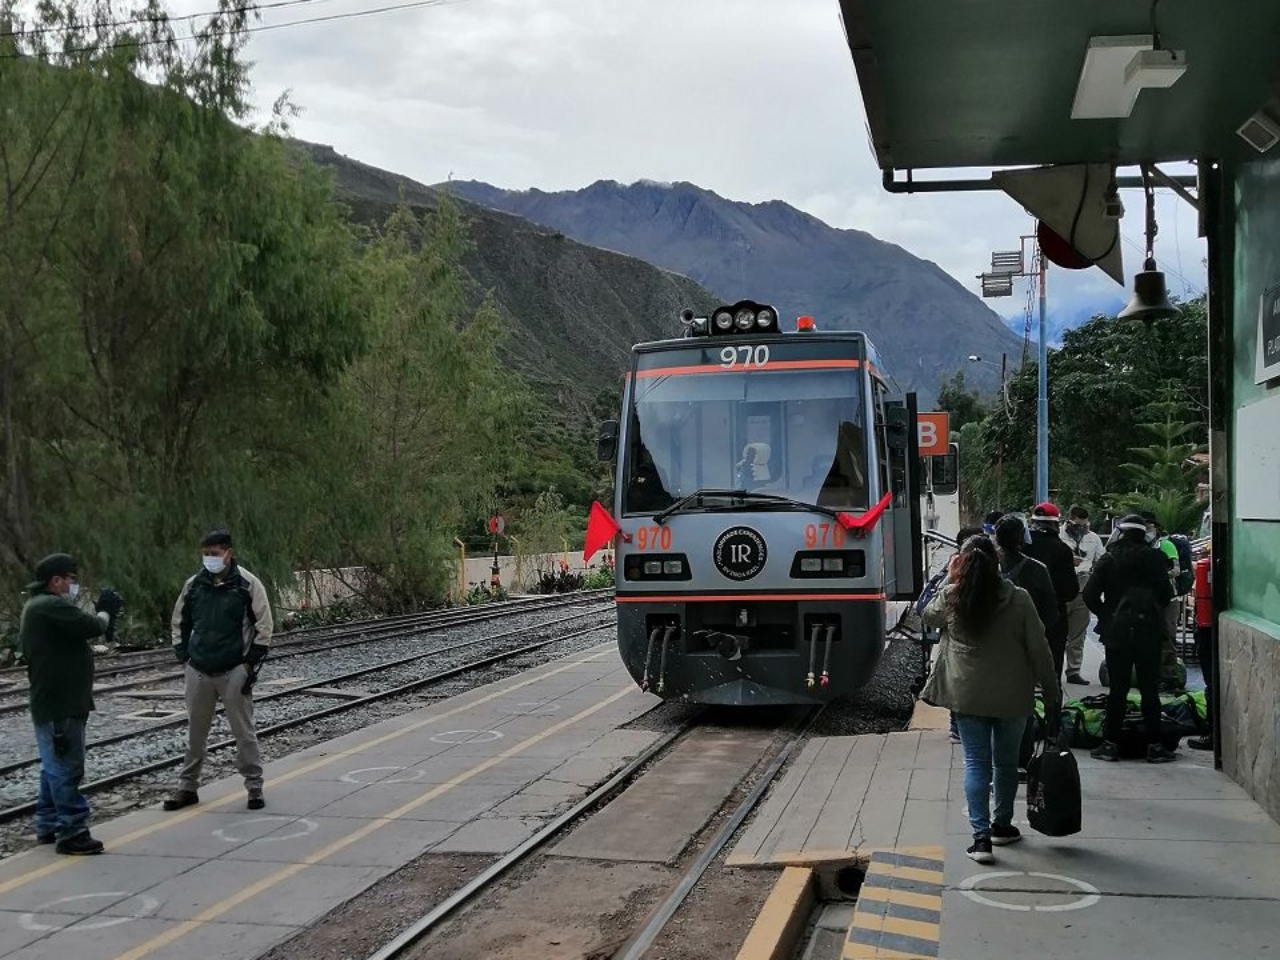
pixel 333 638
pixel 411 942
pixel 175 757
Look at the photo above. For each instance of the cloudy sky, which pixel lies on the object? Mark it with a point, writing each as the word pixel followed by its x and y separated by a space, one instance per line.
pixel 755 99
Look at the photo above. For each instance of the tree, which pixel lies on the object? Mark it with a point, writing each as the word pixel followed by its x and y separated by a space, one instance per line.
pixel 1165 476
pixel 176 296
pixel 431 419
pixel 964 406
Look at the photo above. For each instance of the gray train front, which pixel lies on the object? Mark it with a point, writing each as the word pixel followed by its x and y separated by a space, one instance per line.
pixel 767 498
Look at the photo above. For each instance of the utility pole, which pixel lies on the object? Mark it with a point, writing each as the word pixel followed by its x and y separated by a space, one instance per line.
pixel 998 282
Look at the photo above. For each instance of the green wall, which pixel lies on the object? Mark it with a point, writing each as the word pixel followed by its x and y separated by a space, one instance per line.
pixel 1255 546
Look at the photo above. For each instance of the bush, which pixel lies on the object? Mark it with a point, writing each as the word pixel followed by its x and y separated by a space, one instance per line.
pixel 598 578
pixel 345 610
pixel 483 593
pixel 559 581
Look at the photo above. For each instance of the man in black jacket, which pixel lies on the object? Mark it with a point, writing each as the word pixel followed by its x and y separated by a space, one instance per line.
pixel 1023 570
pixel 1129 591
pixel 1047 547
pixel 221 631
pixel 55 635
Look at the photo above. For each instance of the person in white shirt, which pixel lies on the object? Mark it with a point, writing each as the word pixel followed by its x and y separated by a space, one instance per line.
pixel 1087 548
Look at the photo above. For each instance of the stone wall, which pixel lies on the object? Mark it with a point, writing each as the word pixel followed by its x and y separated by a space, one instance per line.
pixel 1250 659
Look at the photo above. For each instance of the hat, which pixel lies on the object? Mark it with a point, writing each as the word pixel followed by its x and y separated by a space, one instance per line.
pixel 1132 521
pixel 54 565
pixel 216 538
pixel 1046 511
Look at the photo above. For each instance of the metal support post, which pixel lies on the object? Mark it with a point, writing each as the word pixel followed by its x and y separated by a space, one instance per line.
pixel 1042 400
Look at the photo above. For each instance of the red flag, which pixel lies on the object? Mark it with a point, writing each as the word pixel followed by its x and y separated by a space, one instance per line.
pixel 865 521
pixel 601 528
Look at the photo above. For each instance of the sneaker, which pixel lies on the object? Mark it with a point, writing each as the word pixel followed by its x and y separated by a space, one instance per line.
pixel 81 845
pixel 1105 751
pixel 46 838
pixel 256 800
pixel 1159 753
pixel 181 798
pixel 1200 743
pixel 1003 836
pixel 980 850
pixel 1077 679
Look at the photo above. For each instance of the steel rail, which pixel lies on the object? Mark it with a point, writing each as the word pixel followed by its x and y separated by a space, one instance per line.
pixel 364 631
pixel 486 878
pixel 26 762
pixel 12 813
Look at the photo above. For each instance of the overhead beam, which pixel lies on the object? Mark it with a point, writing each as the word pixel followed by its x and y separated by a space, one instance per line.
pixel 911 185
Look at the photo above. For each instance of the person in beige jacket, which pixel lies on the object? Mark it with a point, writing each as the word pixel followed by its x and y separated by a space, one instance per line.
pixel 992 657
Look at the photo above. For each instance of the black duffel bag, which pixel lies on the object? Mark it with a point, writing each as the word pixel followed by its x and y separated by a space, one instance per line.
pixel 1053 789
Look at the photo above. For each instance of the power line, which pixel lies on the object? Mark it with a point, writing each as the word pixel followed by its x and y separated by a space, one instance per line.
pixel 162 18
pixel 262 28
pixel 1187 284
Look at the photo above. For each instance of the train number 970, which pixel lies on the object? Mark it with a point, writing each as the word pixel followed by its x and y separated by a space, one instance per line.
pixel 824 535
pixel 653 538
pixel 744 356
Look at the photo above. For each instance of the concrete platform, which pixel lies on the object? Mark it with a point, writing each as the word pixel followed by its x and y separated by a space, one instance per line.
pixel 1174 860
pixel 475 774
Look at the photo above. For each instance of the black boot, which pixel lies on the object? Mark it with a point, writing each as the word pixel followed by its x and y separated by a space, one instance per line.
pixel 181 798
pixel 81 845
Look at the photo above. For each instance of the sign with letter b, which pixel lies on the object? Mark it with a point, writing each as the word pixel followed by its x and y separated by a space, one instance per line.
pixel 934 433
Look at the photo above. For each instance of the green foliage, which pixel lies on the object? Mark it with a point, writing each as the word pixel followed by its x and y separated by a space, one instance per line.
pixel 598 578
pixel 559 581
pixel 481 593
pixel 965 406
pixel 1165 477
pixel 1105 370
pixel 177 301
pixel 546 527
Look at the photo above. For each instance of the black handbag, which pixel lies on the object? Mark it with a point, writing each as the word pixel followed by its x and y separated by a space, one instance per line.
pixel 1053 789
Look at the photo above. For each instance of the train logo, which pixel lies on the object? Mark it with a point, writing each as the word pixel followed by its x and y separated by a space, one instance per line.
pixel 740 553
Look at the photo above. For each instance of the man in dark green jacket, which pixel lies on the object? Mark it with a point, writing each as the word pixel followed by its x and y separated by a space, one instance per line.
pixel 55 635
pixel 221 631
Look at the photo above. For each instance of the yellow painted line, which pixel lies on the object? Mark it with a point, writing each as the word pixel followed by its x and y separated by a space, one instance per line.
pixel 911 928
pixel 222 907
pixel 905 873
pixel 908 898
pixel 782 918
pixel 191 813
pixel 869 951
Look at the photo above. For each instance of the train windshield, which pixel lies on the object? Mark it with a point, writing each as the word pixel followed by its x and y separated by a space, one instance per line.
pixel 793 433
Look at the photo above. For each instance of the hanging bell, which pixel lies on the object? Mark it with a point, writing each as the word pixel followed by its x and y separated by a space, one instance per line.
pixel 1150 300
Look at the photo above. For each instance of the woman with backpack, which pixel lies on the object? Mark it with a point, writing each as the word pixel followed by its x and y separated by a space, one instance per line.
pixel 993 655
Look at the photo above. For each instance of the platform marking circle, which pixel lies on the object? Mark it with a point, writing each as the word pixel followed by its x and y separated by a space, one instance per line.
pixel 308 827
pixel 1091 894
pixel 532 708
pixel 147 906
pixel 354 775
pixel 467 736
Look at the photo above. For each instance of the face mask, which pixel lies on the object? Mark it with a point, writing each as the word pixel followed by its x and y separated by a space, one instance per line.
pixel 214 564
pixel 73 590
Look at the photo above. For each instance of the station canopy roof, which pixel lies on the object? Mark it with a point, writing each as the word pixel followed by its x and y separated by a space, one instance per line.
pixel 991 83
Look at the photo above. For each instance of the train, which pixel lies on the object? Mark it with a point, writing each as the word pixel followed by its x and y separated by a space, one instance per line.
pixel 767 509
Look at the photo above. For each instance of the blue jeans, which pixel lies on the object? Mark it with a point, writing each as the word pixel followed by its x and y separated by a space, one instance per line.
pixel 61 808
pixel 990 742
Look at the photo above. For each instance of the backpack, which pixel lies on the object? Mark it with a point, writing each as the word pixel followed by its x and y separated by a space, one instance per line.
pixel 1012 573
pixel 1137 618
pixel 1186 571
pixel 930 591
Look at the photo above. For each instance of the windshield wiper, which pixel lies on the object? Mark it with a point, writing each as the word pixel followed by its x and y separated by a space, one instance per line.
pixel 745 496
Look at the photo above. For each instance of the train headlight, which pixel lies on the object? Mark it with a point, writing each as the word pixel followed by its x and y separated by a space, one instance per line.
pixel 766 319
pixel 851 564
pixel 723 320
pixel 744 318
pixel 656 566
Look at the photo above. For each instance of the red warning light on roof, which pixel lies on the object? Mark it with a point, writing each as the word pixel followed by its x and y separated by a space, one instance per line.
pixel 805 324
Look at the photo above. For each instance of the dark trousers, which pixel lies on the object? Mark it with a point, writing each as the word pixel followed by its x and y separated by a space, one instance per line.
pixel 1204 653
pixel 1057 637
pixel 1126 661
pixel 61 808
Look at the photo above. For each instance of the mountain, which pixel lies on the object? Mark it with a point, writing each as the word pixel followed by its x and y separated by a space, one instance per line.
pixel 573 310
pixel 924 323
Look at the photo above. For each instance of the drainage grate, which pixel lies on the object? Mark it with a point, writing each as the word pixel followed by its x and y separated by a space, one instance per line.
pixel 153 713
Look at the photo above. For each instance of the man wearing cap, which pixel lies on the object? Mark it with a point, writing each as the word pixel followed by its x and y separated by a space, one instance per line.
pixel 55 635
pixel 221 631
pixel 1086 549
pixel 1129 590
pixel 1047 547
